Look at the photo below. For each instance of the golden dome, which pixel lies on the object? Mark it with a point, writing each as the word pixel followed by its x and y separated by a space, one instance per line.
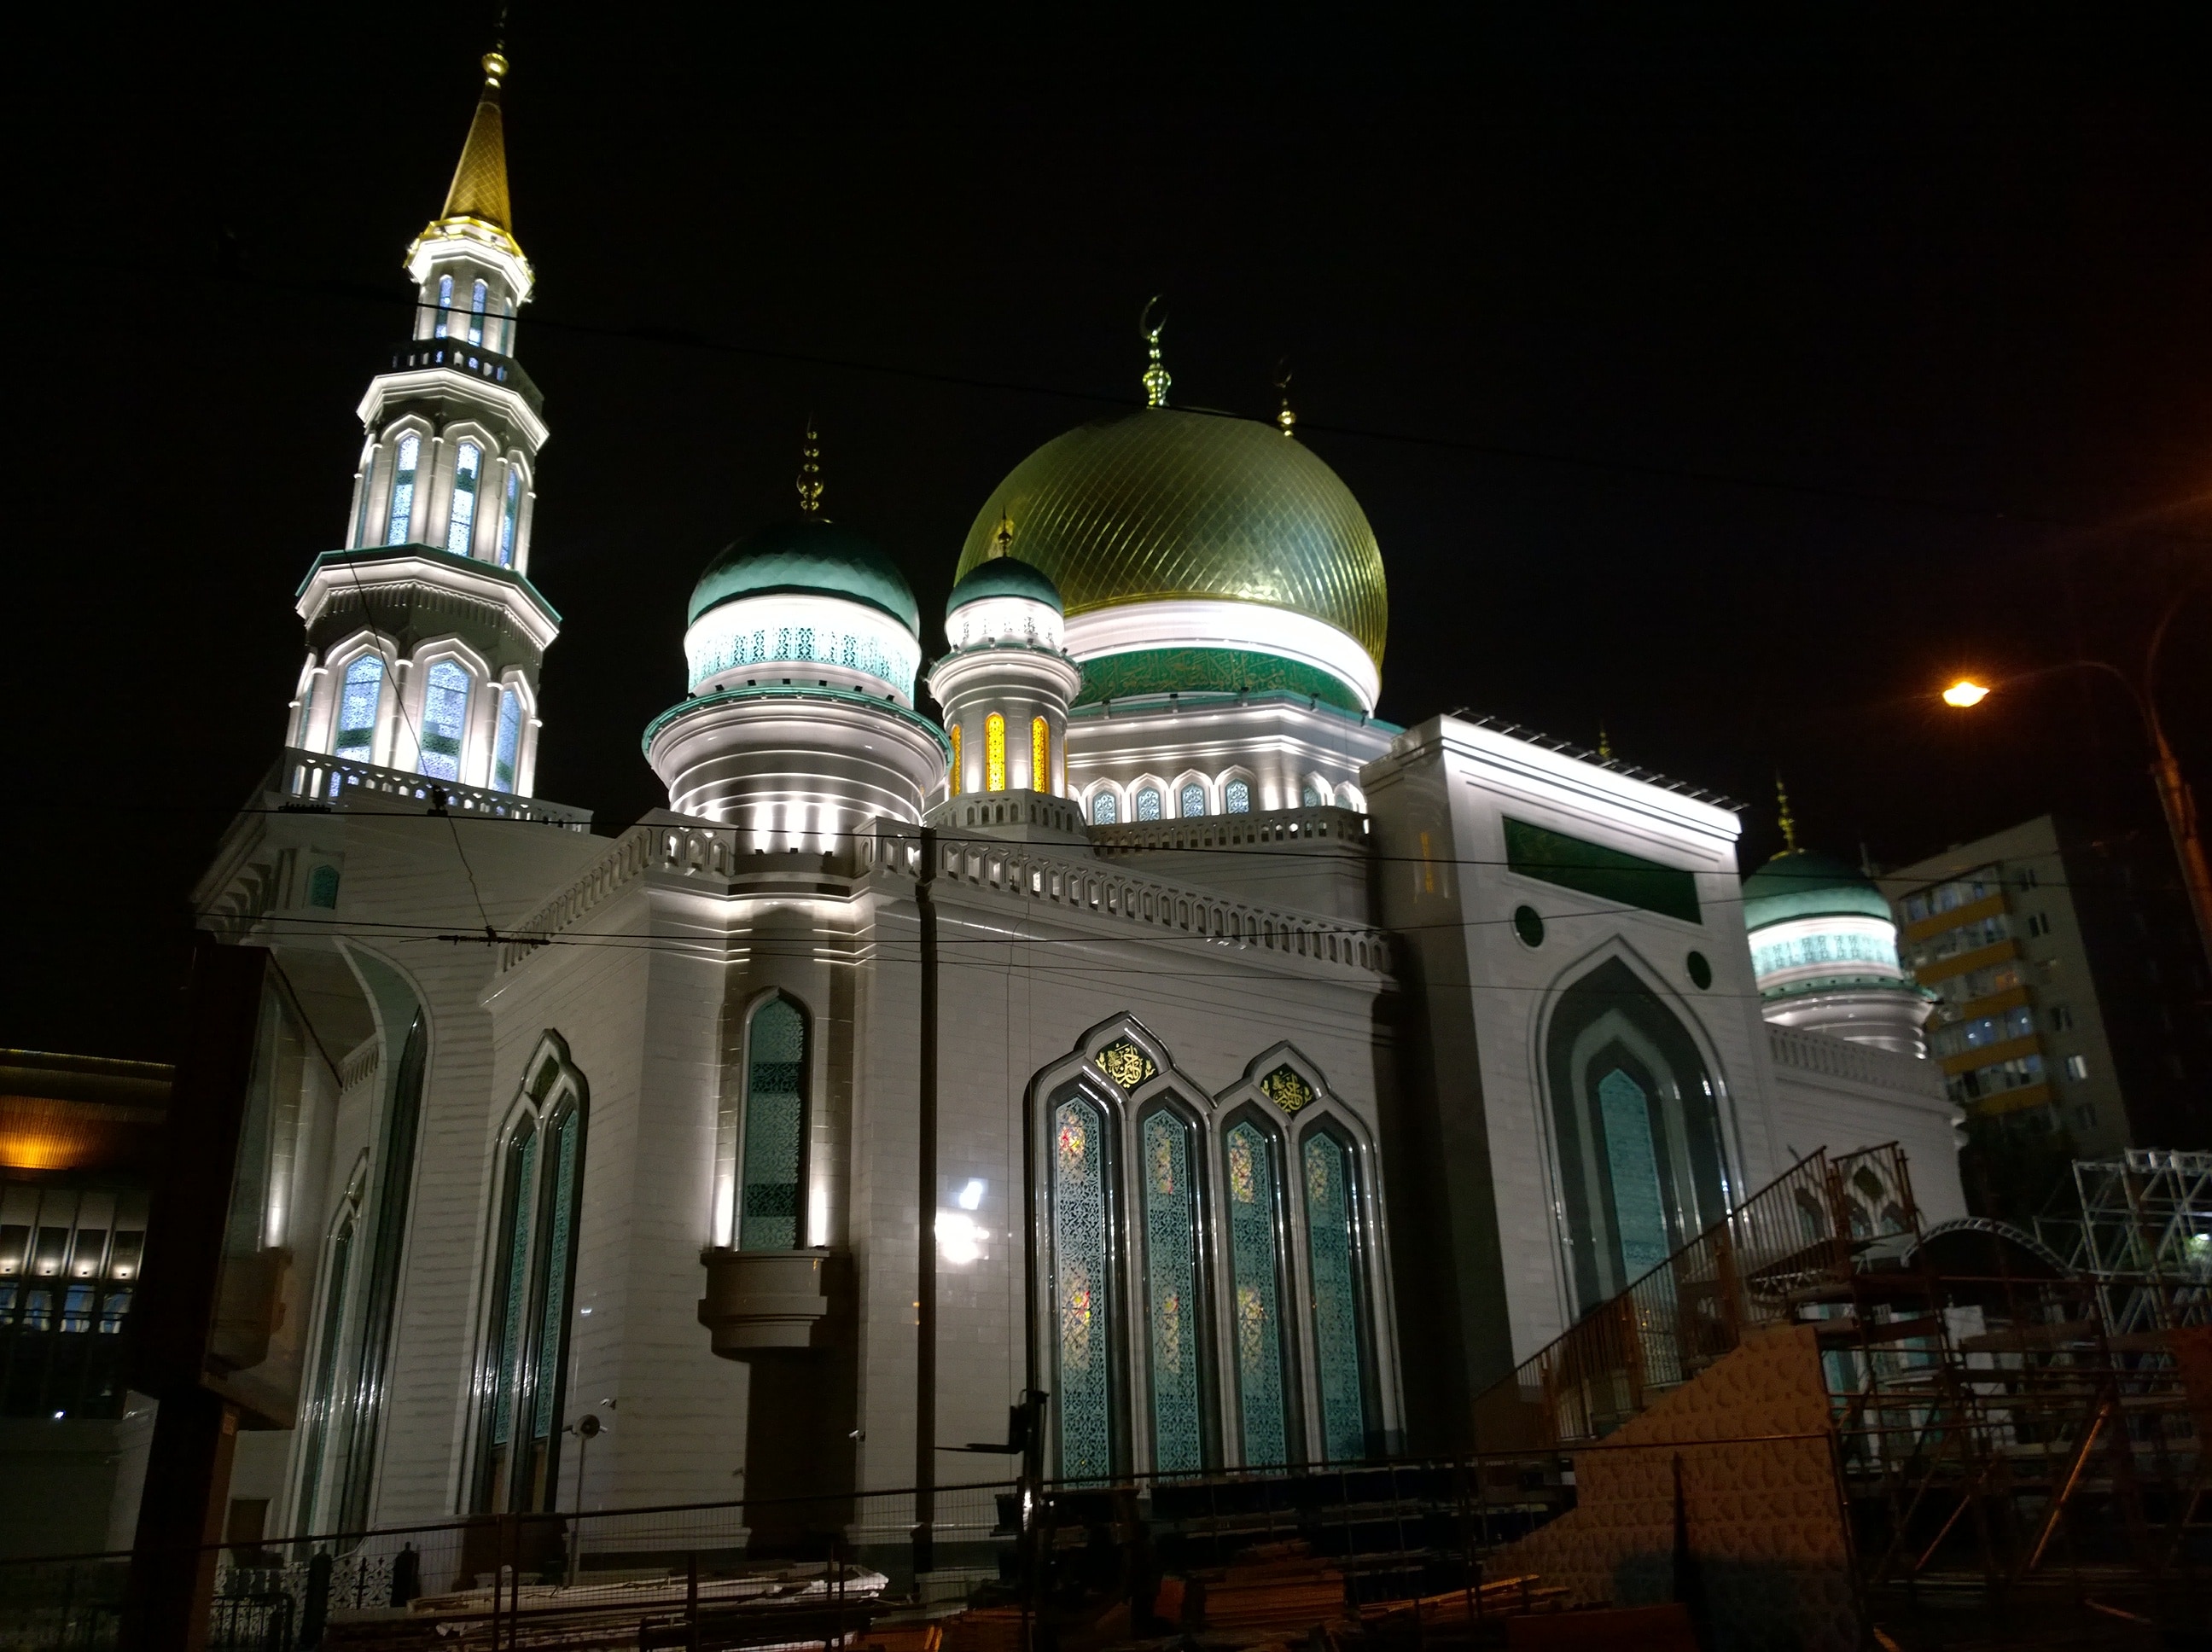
pixel 1162 503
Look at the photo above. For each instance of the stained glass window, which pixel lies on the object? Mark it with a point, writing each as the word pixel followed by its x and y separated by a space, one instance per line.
pixel 357 703
pixel 1309 796
pixel 995 753
pixel 509 515
pixel 476 314
pixel 1638 1209
pixel 1254 1298
pixel 1193 801
pixel 461 521
pixel 1081 1291
pixel 1148 804
pixel 776 1066
pixel 508 1355
pixel 445 303
pixel 1172 1305
pixel 445 716
pixel 1105 809
pixel 1336 1312
pixel 1237 797
pixel 508 743
pixel 402 490
pixel 954 781
pixel 1040 754
pixel 560 1231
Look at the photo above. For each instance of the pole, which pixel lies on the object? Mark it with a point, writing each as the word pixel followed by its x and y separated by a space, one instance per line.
pixel 2180 805
pixel 925 1284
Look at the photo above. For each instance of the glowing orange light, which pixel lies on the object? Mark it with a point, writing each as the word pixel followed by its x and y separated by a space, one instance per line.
pixel 1965 693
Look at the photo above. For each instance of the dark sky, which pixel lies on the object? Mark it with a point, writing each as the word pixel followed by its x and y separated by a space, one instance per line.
pixel 1730 388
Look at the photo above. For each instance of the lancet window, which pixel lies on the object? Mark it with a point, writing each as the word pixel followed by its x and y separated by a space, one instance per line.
pixel 1082 1283
pixel 1254 1188
pixel 771 1149
pixel 509 515
pixel 507 743
pixel 1338 1319
pixel 1193 801
pixel 1237 797
pixel 1105 809
pixel 1148 803
pixel 953 781
pixel 401 516
pixel 995 753
pixel 1309 796
pixel 445 304
pixel 357 707
pixel 476 314
pixel 521 1387
pixel 320 1413
pixel 445 719
pixel 1174 1304
pixel 461 521
pixel 1040 754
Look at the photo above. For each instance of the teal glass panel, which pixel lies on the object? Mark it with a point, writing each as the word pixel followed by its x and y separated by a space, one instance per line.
pixel 1171 1296
pixel 1148 804
pixel 1639 1213
pixel 508 517
pixel 461 520
pixel 357 703
pixel 1254 1280
pixel 553 1328
pixel 445 717
pixel 402 491
pixel 1193 800
pixel 776 1063
pixel 1613 875
pixel 514 1260
pixel 1080 1290
pixel 1336 1315
pixel 1237 797
pixel 1105 809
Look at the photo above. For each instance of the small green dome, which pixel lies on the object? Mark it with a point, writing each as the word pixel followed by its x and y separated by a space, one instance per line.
pixel 811 555
pixel 1806 883
pixel 1004 576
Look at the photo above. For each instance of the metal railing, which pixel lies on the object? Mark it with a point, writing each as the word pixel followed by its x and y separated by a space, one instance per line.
pixel 459 355
pixel 317 780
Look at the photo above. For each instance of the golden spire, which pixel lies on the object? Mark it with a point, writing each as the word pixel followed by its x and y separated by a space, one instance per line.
pixel 809 473
pixel 1788 820
pixel 1285 419
pixel 1155 373
pixel 1604 745
pixel 479 187
pixel 1002 541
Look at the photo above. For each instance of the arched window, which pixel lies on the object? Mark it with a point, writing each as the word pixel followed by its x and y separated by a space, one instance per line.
pixel 1237 797
pixel 533 1267
pixel 771 1148
pixel 954 780
pixel 1193 801
pixel 1148 803
pixel 445 304
pixel 995 753
pixel 1082 1244
pixel 1174 1306
pixel 1105 809
pixel 402 490
pixel 358 704
pixel 445 716
pixel 1339 1314
pixel 1309 795
pixel 318 1415
pixel 1040 754
pixel 509 515
pixel 476 314
pixel 1256 1296
pixel 508 742
pixel 461 521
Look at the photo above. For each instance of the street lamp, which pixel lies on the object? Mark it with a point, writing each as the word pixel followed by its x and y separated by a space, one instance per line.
pixel 2173 793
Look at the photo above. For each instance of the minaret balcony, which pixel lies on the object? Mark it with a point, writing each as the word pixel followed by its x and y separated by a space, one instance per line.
pixel 459 355
pixel 319 781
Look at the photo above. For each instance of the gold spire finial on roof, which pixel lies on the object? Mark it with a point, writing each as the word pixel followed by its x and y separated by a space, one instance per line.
pixel 1604 745
pixel 1285 419
pixel 1788 820
pixel 1156 372
pixel 479 186
pixel 810 472
pixel 1002 542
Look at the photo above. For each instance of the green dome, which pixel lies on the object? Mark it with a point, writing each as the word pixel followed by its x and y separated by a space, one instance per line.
pixel 1003 576
pixel 807 554
pixel 1806 883
pixel 1162 503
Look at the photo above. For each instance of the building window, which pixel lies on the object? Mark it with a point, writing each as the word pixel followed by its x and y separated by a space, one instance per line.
pixel 1309 795
pixel 402 490
pixel 476 314
pixel 509 513
pixel 1255 1297
pixel 445 716
pixel 995 753
pixel 1332 1252
pixel 358 704
pixel 1193 800
pixel 508 742
pixel 1105 809
pixel 533 1267
pixel 322 887
pixel 320 1415
pixel 774 1127
pixel 1632 1164
pixel 2062 1017
pixel 2077 1067
pixel 1082 1292
pixel 445 305
pixel 461 521
pixel 1148 803
pixel 1173 1306
pixel 1237 797
pixel 953 783
pixel 1040 754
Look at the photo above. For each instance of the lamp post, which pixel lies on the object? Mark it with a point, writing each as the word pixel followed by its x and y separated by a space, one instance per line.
pixel 2173 793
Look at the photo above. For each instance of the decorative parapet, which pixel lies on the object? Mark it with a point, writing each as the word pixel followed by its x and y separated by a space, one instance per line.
pixel 1338 826
pixel 317 781
pixel 686 850
pixel 1835 1058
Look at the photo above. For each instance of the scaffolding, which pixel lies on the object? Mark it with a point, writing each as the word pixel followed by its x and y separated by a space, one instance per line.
pixel 2144 1233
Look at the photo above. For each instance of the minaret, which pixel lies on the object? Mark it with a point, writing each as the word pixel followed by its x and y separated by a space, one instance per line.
pixel 425 636
pixel 1007 683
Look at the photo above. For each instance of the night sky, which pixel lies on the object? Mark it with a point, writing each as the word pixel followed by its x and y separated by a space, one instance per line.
pixel 1729 389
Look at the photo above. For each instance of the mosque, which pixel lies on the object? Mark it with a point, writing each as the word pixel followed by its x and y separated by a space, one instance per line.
pixel 1135 1017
